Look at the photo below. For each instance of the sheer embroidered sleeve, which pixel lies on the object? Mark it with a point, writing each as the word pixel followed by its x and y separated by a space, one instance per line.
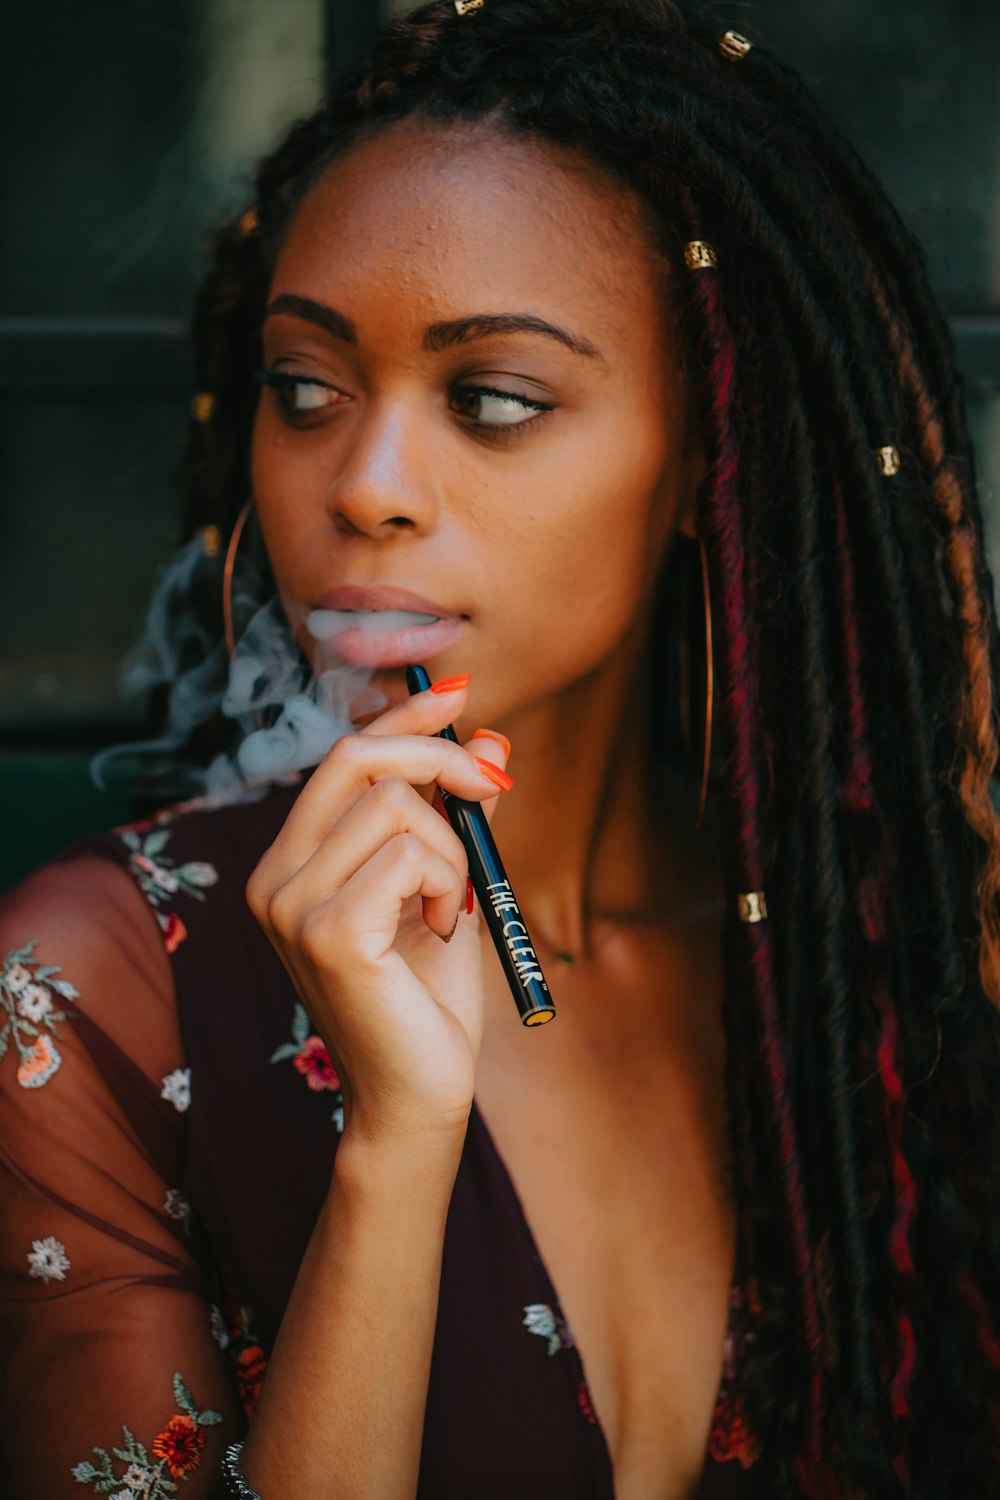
pixel 112 1375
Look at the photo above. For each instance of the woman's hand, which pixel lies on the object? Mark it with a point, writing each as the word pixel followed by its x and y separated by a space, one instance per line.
pixel 363 895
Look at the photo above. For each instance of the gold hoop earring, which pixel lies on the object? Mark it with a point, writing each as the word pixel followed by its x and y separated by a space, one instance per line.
pixel 685 680
pixel 227 576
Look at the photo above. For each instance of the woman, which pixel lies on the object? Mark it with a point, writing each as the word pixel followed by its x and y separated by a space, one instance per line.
pixel 549 301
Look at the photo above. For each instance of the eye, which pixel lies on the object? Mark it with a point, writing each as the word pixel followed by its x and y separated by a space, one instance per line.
pixel 500 413
pixel 298 394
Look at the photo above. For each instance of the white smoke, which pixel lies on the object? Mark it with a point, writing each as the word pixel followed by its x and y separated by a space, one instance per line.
pixel 285 714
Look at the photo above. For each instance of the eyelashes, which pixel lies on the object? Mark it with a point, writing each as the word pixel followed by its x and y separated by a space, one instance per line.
pixel 298 396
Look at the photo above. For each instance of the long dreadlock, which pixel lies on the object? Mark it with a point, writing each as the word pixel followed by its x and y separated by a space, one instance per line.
pixel 858 663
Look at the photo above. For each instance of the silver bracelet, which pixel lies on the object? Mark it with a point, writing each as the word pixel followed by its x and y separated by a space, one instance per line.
pixel 235 1483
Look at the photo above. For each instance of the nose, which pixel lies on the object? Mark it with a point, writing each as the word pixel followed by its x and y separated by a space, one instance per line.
pixel 383 486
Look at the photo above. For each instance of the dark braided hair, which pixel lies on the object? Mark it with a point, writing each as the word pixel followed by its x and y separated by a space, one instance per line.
pixel 858 663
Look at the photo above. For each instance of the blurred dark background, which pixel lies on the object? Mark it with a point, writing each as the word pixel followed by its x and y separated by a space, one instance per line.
pixel 131 126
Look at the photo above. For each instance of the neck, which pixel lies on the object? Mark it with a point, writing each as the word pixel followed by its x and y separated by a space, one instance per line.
pixel 593 829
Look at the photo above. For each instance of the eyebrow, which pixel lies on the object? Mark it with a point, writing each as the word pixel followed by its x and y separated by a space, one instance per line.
pixel 437 336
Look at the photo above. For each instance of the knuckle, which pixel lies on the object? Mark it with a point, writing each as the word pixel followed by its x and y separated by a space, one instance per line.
pixel 392 794
pixel 407 850
pixel 315 941
pixel 349 749
pixel 281 912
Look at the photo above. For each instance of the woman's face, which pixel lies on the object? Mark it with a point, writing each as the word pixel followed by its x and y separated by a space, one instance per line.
pixel 526 481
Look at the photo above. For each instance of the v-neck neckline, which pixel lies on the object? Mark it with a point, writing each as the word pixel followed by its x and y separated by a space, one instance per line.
pixel 477 1122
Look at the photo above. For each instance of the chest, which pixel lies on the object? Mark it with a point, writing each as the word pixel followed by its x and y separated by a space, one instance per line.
pixel 614 1139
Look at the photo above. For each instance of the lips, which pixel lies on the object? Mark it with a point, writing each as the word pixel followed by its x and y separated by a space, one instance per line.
pixel 414 628
pixel 383 596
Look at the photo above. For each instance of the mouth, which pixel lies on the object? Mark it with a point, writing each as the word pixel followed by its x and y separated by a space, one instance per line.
pixel 383 637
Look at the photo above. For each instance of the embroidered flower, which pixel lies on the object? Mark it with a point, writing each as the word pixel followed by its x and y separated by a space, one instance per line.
pixel 310 1058
pixel 47 1259
pixel 16 976
pixel 35 1001
pixel 730 1437
pixel 180 1443
pixel 313 1062
pixel 158 877
pixel 175 1454
pixel 250 1368
pixel 540 1319
pixel 218 1324
pixel 136 1479
pixel 38 1063
pixel 26 1002
pixel 177 1207
pixel 174 931
pixel 177 1089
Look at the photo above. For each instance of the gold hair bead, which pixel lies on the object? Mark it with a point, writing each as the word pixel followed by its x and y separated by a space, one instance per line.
pixel 699 255
pixel 751 906
pixel 202 406
pixel 889 460
pixel 249 223
pixel 465 6
pixel 211 540
pixel 734 45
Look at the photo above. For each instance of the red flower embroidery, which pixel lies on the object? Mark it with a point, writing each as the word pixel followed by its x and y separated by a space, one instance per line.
pixel 250 1367
pixel 313 1062
pixel 180 1443
pixel 174 932
pixel 730 1437
pixel 583 1398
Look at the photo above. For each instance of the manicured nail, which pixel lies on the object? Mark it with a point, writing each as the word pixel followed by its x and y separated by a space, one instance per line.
pixel 451 934
pixel 491 734
pixel 450 684
pixel 493 773
pixel 468 896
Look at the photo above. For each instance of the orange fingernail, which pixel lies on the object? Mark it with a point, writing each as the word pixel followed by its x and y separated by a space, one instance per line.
pixel 494 773
pixel 450 684
pixel 492 734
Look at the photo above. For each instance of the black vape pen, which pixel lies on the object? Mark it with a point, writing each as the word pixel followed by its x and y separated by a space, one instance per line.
pixel 496 899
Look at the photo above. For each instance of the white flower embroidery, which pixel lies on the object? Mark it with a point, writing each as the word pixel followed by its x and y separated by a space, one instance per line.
pixel 539 1318
pixel 35 1001
pixel 83 1473
pixel 199 874
pixel 165 879
pixel 177 1089
pixel 16 977
pixel 176 1205
pixel 219 1333
pixel 138 1479
pixel 48 1260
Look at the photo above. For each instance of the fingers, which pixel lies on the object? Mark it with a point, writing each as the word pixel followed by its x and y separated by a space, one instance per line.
pixel 358 924
pixel 423 713
pixel 388 811
pixel 354 765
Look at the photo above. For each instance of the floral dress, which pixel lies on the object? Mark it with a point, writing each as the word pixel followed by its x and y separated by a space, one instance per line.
pixel 168 1124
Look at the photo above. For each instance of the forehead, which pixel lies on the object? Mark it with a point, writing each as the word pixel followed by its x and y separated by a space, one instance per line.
pixel 466 218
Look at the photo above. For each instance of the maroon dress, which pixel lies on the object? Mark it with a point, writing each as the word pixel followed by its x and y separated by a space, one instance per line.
pixel 169 1126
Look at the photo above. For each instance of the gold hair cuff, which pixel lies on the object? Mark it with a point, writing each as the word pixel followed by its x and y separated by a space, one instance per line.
pixel 465 6
pixel 751 906
pixel 249 223
pixel 202 406
pixel 699 255
pixel 211 540
pixel 734 45
pixel 889 460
